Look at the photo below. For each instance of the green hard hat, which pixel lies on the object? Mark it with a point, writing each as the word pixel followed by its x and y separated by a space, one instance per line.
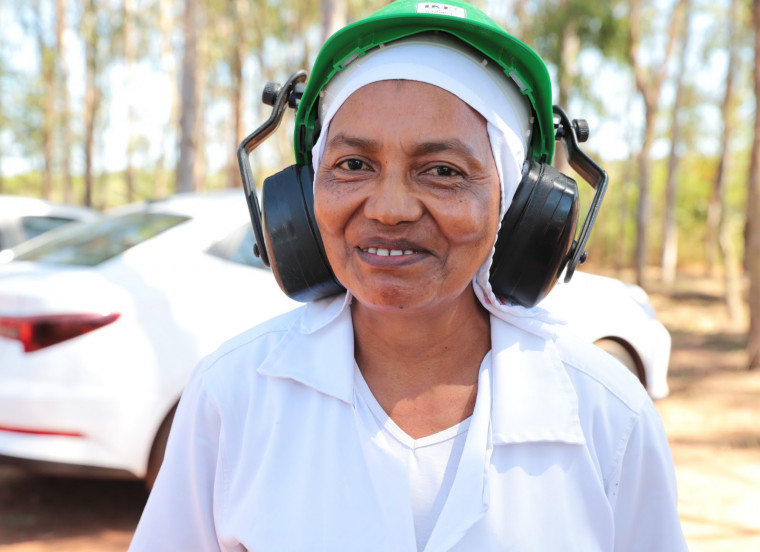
pixel 407 17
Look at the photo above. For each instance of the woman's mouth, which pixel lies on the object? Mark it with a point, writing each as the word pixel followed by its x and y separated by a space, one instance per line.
pixel 380 252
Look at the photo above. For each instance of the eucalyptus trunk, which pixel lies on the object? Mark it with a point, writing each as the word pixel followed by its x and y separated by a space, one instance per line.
pixel 753 210
pixel 64 116
pixel 717 230
pixel 669 259
pixel 47 77
pixel 169 67
pixel 649 80
pixel 92 94
pixel 130 55
pixel 188 147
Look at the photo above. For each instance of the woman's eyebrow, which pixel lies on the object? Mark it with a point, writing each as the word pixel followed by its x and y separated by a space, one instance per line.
pixel 453 144
pixel 364 144
pixel 433 146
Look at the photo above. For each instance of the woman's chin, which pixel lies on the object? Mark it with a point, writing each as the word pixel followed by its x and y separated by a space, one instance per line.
pixel 419 300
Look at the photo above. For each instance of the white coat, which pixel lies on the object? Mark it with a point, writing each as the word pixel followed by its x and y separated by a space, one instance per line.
pixel 565 451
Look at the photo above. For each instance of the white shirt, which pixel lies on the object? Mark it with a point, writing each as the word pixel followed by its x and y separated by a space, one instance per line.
pixel 564 451
pixel 431 461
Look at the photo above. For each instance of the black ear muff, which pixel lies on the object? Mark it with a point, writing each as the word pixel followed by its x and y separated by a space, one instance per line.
pixel 294 246
pixel 536 235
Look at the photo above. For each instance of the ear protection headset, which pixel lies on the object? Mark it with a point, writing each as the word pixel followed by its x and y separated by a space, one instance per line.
pixel 536 241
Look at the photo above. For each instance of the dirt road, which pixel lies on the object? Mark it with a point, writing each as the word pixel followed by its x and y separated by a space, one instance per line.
pixel 712 418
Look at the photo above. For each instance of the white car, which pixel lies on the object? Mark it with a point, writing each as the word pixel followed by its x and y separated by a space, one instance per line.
pixel 101 325
pixel 22 218
pixel 619 318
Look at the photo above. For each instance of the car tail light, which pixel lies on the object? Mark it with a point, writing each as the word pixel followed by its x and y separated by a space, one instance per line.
pixel 49 432
pixel 38 332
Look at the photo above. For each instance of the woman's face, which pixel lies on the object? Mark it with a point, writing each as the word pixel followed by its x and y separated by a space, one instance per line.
pixel 407 196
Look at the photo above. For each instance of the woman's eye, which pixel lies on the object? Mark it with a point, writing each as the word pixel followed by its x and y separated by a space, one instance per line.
pixel 352 164
pixel 442 170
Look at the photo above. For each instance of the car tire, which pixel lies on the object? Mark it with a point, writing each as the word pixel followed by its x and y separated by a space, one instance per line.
pixel 625 354
pixel 158 449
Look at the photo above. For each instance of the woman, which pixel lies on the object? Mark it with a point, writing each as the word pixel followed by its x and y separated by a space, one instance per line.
pixel 415 411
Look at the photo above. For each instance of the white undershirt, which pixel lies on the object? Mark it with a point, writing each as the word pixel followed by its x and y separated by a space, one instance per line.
pixel 431 461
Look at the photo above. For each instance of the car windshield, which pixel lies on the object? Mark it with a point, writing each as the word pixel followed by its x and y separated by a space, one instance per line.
pixel 35 225
pixel 92 244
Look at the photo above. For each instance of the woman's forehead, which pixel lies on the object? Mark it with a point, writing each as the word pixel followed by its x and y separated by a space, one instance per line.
pixel 423 118
pixel 398 100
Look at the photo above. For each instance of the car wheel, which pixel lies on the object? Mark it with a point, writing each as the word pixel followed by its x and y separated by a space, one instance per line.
pixel 625 354
pixel 158 449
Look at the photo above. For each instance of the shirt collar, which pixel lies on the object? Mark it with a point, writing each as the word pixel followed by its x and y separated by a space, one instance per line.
pixel 532 396
pixel 318 349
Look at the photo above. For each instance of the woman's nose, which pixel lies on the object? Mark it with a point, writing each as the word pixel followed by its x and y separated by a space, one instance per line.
pixel 391 200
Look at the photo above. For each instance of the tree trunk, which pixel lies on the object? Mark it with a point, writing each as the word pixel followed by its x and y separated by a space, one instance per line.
pixel 644 208
pixel 63 94
pixel 753 210
pixel 648 82
pixel 334 17
pixel 130 55
pixel 47 77
pixel 188 101
pixel 669 259
pixel 717 231
pixel 168 64
pixel 2 114
pixel 237 54
pixel 567 73
pixel 521 14
pixel 92 93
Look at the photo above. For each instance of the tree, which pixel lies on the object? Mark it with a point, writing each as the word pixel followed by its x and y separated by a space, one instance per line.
pixel 168 65
pixel 334 17
pixel 669 259
pixel 753 209
pixel 237 53
pixel 649 80
pixel 188 101
pixel 561 29
pixel 2 90
pixel 130 55
pixel 62 93
pixel 48 81
pixel 91 32
pixel 717 230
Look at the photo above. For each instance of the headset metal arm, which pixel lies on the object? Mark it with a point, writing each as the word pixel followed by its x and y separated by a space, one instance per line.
pixel 250 143
pixel 592 173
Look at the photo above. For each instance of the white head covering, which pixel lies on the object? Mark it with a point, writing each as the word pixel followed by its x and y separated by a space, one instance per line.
pixel 446 63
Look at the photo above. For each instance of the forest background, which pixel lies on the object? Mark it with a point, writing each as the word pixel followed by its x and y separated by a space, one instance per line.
pixel 105 102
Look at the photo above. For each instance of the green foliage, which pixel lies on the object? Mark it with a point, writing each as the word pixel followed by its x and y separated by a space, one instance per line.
pixel 614 231
pixel 599 25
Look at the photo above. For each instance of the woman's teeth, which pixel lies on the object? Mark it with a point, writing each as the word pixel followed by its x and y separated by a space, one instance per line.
pixel 388 252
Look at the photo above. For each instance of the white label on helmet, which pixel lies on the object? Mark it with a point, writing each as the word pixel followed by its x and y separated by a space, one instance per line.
pixel 441 9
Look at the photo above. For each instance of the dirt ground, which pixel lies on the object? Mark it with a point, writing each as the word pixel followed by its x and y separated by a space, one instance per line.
pixel 711 418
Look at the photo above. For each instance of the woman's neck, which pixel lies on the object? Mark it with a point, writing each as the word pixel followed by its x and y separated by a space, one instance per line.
pixel 423 367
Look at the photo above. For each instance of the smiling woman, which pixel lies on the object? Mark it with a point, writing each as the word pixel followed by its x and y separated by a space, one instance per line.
pixel 403 203
pixel 407 203
pixel 413 405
